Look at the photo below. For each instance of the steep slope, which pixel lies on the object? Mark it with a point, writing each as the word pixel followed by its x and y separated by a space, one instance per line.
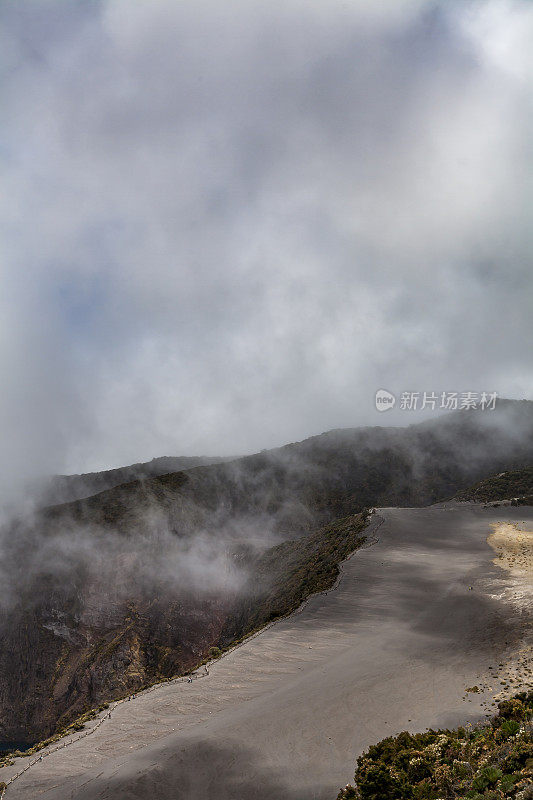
pixel 72 654
pixel 515 485
pixel 136 582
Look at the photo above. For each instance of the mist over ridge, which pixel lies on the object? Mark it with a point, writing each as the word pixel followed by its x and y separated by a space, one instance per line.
pixel 139 580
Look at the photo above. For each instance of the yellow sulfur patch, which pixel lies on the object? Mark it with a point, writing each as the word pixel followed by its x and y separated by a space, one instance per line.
pixel 515 550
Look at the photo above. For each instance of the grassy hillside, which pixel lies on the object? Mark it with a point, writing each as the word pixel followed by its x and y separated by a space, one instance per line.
pixel 490 762
pixel 505 486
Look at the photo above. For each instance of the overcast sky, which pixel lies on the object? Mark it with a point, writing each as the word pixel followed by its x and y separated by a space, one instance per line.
pixel 225 225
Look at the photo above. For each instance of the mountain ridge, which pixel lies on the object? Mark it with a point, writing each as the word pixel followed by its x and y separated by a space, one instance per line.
pixel 140 580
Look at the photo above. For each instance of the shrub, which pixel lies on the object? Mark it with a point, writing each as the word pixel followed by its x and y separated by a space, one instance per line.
pixel 491 761
pixel 507 782
pixel 509 728
pixel 380 784
pixel 488 776
pixel 348 793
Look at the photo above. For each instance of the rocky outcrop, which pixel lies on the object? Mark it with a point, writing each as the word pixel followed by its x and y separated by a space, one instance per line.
pixel 53 667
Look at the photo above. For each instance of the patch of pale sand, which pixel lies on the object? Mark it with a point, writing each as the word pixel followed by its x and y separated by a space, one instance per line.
pixel 514 547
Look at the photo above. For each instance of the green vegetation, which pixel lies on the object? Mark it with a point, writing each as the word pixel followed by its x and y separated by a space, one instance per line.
pixel 284 576
pixel 507 485
pixel 492 761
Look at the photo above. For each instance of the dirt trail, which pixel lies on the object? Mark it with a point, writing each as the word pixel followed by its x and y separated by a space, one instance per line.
pixel 415 620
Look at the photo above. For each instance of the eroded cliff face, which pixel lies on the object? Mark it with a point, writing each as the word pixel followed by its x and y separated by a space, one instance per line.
pixel 69 648
pixel 56 664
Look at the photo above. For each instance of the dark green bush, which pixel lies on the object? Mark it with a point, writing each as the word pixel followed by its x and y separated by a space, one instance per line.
pixel 509 728
pixel 379 784
pixel 492 761
pixel 488 776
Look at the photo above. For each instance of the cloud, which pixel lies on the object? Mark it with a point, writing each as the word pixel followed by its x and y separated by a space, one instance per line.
pixel 104 569
pixel 226 225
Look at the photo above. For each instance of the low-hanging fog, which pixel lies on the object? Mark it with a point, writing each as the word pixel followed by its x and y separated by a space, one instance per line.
pixel 225 225
pixel 45 567
pixel 199 533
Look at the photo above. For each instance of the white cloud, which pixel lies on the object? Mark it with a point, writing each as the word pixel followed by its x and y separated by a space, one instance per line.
pixel 225 226
pixel 502 32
